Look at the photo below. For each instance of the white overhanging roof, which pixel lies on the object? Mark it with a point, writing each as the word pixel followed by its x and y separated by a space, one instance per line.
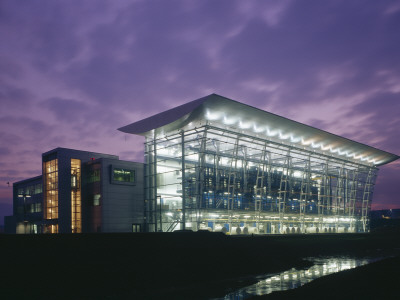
pixel 215 109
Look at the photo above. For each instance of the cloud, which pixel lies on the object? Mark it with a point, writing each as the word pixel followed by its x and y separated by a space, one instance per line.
pixel 73 72
pixel 15 131
pixel 4 151
pixel 271 12
pixel 9 69
pixel 66 109
pixel 13 98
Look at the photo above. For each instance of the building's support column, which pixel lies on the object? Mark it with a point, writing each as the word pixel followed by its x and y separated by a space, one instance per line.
pixel 147 197
pixel 150 201
pixel 309 189
pixel 327 207
pixel 305 191
pixel 183 220
pixel 259 190
pixel 325 197
pixel 353 199
pixel 200 177
pixel 155 187
pixel 232 181
pixel 269 178
pixel 339 198
pixel 217 174
pixel 346 192
pixel 245 179
pixel 302 198
pixel 320 195
pixel 282 195
pixel 366 199
pixel 245 165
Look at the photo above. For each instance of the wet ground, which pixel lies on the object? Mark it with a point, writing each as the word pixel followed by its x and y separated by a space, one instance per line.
pixel 378 280
pixel 162 265
pixel 295 278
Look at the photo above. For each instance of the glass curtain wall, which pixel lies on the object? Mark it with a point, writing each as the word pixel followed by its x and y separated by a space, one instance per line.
pixel 216 179
pixel 76 196
pixel 50 186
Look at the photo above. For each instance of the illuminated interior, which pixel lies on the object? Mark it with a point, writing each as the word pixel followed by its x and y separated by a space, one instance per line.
pixel 76 196
pixel 220 165
pixel 50 182
pixel 217 179
pixel 123 175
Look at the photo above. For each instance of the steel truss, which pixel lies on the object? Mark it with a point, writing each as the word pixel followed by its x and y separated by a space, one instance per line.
pixel 218 179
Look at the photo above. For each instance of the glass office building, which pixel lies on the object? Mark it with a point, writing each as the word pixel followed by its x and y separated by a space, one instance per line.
pixel 219 165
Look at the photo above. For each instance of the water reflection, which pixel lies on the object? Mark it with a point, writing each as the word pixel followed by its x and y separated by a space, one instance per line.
pixel 295 278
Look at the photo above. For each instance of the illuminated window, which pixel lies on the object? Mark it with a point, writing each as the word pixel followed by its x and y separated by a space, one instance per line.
pixel 136 227
pixel 50 228
pixel 96 200
pixel 94 174
pixel 38 188
pixel 76 203
pixel 50 181
pixel 29 190
pixel 38 207
pixel 123 175
pixel 34 207
pixel 74 183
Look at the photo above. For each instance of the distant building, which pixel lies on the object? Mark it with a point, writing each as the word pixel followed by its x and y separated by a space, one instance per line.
pixel 385 214
pixel 79 191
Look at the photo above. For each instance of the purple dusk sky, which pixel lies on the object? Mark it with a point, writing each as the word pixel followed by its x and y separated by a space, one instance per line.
pixel 72 72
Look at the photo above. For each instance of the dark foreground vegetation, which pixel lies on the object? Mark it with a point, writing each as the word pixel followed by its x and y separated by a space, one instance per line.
pixel 179 265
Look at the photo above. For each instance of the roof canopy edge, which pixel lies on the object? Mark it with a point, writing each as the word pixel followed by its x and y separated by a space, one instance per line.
pixel 220 110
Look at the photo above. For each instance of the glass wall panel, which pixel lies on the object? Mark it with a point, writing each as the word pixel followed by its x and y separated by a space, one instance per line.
pixel 76 196
pixel 50 181
pixel 218 179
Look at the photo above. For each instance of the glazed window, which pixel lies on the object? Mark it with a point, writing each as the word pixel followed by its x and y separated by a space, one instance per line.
pixel 76 205
pixel 50 179
pixel 123 175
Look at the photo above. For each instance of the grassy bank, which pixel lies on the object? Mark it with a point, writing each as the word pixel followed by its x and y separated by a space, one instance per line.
pixel 194 265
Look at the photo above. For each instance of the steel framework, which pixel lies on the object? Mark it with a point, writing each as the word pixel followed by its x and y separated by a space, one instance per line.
pixel 221 178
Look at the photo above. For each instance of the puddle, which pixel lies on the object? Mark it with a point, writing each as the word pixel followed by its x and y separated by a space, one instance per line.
pixel 295 278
